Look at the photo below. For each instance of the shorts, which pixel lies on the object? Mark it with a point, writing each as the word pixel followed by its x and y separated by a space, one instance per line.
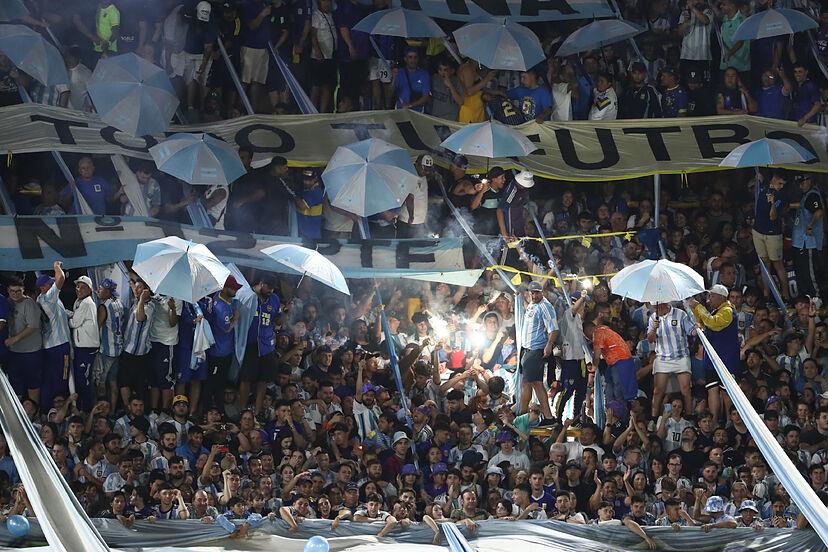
pixel 184 372
pixel 768 246
pixel 162 375
pixel 380 70
pixel 25 371
pixel 105 369
pixel 257 368
pixel 255 63
pixel 178 62
pixel 573 372
pixel 672 366
pixel 532 365
pixel 324 73
pixel 132 371
pixel 191 64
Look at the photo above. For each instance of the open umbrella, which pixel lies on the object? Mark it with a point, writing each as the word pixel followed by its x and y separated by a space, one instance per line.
pixel 597 35
pixel 496 45
pixel 766 152
pixel 400 22
pixel 369 177
pixel 133 95
pixel 308 262
pixel 11 10
pixel 179 268
pixel 198 159
pixel 659 281
pixel 32 53
pixel 773 23
pixel 490 139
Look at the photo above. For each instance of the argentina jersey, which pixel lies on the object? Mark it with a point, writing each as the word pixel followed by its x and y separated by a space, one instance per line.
pixel 112 334
pixel 136 333
pixel 671 337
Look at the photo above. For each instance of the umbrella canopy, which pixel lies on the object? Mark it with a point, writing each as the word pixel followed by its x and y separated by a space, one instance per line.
pixel 496 45
pixel 773 23
pixel 179 268
pixel 659 281
pixel 308 262
pixel 598 34
pixel 11 10
pixel 32 53
pixel 133 95
pixel 765 152
pixel 400 22
pixel 490 139
pixel 369 177
pixel 198 159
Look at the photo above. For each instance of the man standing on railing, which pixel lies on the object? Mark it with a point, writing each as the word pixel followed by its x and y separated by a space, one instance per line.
pixel 540 329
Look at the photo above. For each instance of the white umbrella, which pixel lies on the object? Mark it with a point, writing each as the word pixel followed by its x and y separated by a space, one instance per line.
pixel 308 262
pixel 655 282
pixel 179 268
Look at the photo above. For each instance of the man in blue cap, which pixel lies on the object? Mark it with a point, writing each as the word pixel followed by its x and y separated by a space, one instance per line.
pixel 110 320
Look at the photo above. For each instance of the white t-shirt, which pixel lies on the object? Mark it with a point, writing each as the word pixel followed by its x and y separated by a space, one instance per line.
pixel 325 27
pixel 695 44
pixel 420 193
pixel 672 440
pixel 160 329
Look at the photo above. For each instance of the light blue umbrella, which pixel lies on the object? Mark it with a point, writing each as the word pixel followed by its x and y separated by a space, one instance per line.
pixel 773 23
pixel 400 22
pixel 505 45
pixel 597 35
pixel 133 95
pixel 308 262
pixel 179 268
pixel 32 53
pixel 198 159
pixel 655 282
pixel 369 177
pixel 11 10
pixel 490 139
pixel 766 152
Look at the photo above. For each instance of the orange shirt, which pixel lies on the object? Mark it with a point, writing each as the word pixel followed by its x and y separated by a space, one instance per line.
pixel 613 347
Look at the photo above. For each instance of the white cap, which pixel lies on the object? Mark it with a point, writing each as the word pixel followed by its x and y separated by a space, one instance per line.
pixel 427 161
pixel 525 179
pixel 719 289
pixel 84 280
pixel 203 10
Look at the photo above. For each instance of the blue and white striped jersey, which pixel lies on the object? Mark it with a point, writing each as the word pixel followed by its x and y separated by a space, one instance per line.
pixel 56 332
pixel 671 337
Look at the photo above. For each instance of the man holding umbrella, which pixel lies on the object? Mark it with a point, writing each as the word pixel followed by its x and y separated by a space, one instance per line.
pixel 722 330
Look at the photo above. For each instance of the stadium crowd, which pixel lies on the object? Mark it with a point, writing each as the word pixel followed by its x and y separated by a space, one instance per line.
pixel 310 424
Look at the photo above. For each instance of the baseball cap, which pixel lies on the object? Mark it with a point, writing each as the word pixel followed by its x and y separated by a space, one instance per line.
pixel 802 177
pixel 719 289
pixel 525 179
pixel 426 160
pixel 106 283
pixel 180 398
pixel 694 77
pixel 44 279
pixel 749 505
pixel 310 173
pixel 495 470
pixel 84 280
pixel 460 161
pixel 351 487
pixel 141 423
pixel 572 464
pixel 714 504
pixel 638 66
pixel 232 283
pixel 670 70
pixel 535 286
pixel 409 469
pixel 203 10
pixel 368 388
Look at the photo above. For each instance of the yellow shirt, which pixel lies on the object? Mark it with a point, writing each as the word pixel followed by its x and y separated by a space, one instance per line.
pixel 106 19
